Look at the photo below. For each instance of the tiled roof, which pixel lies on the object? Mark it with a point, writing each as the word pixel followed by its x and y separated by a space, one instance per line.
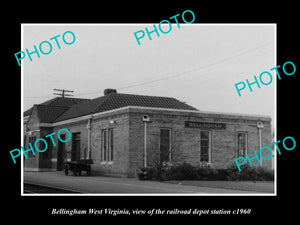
pixel 121 100
pixel 82 109
pixel 28 112
pixel 59 109
pixel 48 111
pixel 114 101
pixel 59 101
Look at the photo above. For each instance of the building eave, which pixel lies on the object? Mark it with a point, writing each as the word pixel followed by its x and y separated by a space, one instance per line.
pixel 95 115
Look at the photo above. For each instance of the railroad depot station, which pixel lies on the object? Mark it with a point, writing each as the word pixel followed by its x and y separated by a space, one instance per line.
pixel 123 132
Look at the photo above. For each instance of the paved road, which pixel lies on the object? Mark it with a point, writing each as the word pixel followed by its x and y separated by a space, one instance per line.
pixel 109 185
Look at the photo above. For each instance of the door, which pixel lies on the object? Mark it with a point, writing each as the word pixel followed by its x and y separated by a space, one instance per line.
pixel 61 153
pixel 75 152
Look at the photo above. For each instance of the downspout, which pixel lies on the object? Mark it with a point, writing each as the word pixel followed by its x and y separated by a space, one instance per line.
pixel 259 131
pixel 145 144
pixel 260 125
pixel 89 154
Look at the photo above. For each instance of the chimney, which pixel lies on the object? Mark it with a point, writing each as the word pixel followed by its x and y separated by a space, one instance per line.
pixel 110 91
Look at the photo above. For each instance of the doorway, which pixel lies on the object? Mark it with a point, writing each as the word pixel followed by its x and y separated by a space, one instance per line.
pixel 61 153
pixel 75 152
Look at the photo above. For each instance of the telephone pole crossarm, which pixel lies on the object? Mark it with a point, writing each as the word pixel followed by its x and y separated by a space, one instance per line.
pixel 63 94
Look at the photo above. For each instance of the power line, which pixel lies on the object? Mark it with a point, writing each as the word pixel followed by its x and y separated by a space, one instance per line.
pixel 198 68
pixel 192 70
pixel 63 94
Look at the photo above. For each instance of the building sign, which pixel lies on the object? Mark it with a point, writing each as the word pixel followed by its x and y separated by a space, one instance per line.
pixel 203 125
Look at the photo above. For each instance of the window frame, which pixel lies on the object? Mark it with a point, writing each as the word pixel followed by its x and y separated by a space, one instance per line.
pixel 209 146
pixel 103 155
pixel 170 144
pixel 110 144
pixel 107 145
pixel 237 143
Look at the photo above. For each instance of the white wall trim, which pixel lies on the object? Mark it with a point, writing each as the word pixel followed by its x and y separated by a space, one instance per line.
pixel 86 117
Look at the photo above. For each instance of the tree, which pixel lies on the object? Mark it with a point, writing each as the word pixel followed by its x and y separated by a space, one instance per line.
pixel 157 160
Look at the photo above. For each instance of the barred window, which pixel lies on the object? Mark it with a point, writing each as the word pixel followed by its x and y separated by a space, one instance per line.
pixel 242 144
pixel 111 144
pixel 204 146
pixel 107 145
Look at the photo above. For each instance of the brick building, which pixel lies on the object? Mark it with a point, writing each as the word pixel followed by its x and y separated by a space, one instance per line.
pixel 122 132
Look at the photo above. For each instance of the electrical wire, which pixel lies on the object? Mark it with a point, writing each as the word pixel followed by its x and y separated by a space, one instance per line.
pixel 198 68
pixel 181 73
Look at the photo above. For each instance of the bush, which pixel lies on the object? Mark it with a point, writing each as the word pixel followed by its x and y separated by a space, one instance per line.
pixel 222 174
pixel 204 173
pixel 186 171
pixel 146 173
pixel 266 174
pixel 250 173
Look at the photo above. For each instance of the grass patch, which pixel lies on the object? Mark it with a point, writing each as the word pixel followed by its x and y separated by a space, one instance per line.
pixel 259 186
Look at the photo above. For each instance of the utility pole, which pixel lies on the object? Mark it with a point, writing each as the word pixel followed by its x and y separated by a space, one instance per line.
pixel 63 94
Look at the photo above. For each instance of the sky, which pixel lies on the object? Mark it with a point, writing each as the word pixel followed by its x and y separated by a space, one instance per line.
pixel 197 63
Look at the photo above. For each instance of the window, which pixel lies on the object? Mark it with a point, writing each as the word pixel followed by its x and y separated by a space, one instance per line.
pixel 111 144
pixel 107 145
pixel 205 146
pixel 165 145
pixel 242 144
pixel 30 154
pixel 103 145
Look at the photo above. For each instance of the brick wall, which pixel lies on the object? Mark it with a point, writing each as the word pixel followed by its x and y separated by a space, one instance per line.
pixel 78 127
pixel 119 165
pixel 128 147
pixel 45 157
pixel 31 164
pixel 223 142
pixel 42 160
